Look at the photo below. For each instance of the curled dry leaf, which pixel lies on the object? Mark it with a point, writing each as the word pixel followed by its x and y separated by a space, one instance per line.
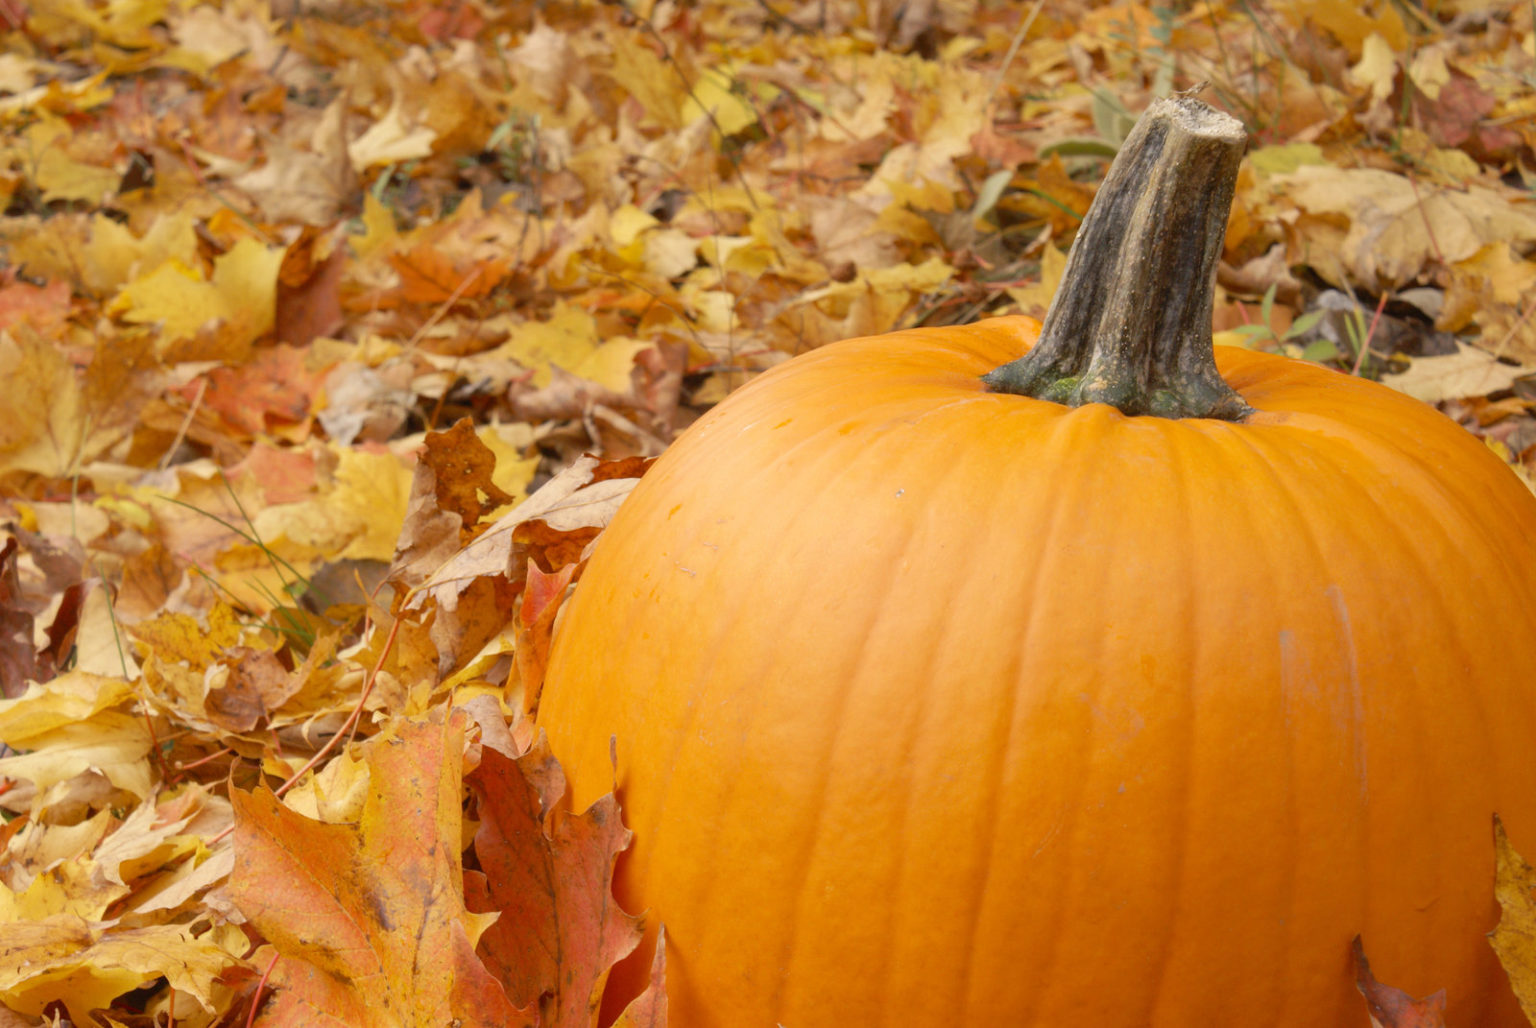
pixel 472 591
pixel 1391 1007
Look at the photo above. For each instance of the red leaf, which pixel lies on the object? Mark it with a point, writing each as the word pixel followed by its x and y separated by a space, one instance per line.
pixel 1394 1008
pixel 550 874
pixel 535 627
pixel 649 1009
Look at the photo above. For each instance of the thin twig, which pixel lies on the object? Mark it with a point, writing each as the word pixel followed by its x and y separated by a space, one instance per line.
pixel 186 423
pixel 1013 49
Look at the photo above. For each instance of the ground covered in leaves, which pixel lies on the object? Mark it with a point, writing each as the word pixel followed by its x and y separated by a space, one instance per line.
pixel 309 311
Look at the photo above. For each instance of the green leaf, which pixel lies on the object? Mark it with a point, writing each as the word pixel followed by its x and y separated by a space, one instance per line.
pixel 1320 351
pixel 991 191
pixel 1080 147
pixel 1304 323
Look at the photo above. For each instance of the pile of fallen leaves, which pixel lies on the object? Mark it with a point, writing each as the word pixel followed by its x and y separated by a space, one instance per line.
pixel 310 309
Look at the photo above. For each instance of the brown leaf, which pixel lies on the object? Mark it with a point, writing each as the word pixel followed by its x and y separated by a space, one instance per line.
pixel 18 657
pixel 308 288
pixel 427 276
pixel 256 684
pixel 1394 1008
pixel 462 466
pixel 549 873
pixel 276 388
pixel 465 592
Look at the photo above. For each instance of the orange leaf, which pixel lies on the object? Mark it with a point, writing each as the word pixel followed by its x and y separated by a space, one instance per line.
pixel 369 918
pixel 308 288
pixel 428 276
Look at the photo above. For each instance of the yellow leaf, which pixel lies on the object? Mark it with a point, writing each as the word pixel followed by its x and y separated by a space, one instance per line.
pixel 42 962
pixel 391 139
pixel 379 232
pixel 176 637
pixel 1285 158
pixel 59 175
pixel 44 426
pixel 1510 279
pixel 1350 24
pixel 1429 70
pixel 713 92
pixel 651 81
pixel 1514 939
pixel 246 280
pixel 240 294
pixel 335 794
pixel 1035 300
pixel 174 295
pixel 88 966
pixel 611 363
pixel 669 252
pixel 113 743
pixel 626 223
pixel 70 698
pixel 114 256
pixel 1468 372
pixel 357 518
pixel 567 339
pixel 513 471
pixel 1397 227
pixel 1377 67
pixel 125 23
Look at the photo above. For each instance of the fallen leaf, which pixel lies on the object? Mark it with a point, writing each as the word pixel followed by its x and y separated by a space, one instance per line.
pixel 535 624
pixel 1467 372
pixel 1391 1007
pixel 369 918
pixel 649 1009
pixel 1514 939
pixel 463 592
pixel 549 873
pixel 1397 227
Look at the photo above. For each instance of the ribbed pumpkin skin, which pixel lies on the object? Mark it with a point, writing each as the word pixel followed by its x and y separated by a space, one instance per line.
pixel 940 707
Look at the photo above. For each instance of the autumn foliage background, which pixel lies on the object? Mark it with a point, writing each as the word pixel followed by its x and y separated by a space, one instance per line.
pixel 310 309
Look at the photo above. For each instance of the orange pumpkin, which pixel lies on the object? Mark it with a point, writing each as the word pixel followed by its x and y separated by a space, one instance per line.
pixel 939 705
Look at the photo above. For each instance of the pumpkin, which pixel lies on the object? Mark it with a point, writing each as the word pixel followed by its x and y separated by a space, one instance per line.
pixel 943 691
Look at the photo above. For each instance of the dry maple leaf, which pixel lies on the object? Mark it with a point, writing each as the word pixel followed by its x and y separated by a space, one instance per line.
pixel 368 919
pixel 549 872
pixel 535 625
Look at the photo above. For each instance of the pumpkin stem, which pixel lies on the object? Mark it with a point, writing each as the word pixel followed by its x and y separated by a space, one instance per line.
pixel 1130 324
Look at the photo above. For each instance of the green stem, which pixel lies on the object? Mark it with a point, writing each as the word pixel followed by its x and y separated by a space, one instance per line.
pixel 1131 322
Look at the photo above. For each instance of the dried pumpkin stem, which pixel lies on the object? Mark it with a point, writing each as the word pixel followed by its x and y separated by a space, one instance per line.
pixel 1131 322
